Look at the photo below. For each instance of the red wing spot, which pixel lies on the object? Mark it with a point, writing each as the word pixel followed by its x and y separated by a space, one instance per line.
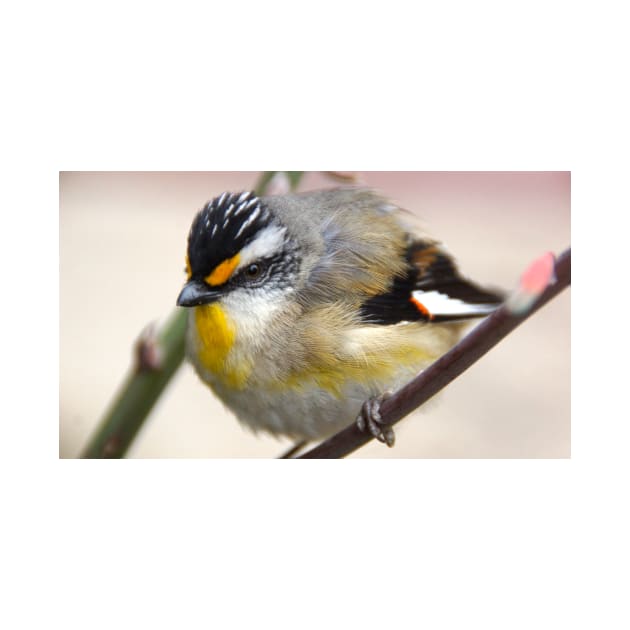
pixel 421 307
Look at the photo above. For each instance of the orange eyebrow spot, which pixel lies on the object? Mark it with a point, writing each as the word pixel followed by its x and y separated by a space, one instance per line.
pixel 421 307
pixel 222 272
pixel 188 269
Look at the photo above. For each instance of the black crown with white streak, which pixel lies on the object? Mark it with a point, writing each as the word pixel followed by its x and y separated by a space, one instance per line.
pixel 222 228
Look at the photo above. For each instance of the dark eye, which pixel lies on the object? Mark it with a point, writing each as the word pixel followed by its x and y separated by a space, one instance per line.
pixel 253 271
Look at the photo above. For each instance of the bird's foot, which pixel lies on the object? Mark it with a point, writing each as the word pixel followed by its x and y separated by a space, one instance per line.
pixel 369 420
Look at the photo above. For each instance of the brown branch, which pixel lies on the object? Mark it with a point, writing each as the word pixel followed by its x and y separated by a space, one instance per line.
pixel 439 374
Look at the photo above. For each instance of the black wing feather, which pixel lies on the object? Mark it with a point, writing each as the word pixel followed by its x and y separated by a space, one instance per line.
pixel 430 269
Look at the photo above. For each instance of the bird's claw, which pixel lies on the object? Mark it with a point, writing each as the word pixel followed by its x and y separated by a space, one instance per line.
pixel 370 420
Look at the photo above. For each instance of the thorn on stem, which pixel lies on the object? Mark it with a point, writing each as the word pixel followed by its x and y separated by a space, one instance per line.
pixel 147 352
pixel 112 447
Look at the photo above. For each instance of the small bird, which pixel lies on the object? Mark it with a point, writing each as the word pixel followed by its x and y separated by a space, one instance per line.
pixel 306 309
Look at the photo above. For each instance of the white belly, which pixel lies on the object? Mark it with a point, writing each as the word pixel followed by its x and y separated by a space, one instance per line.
pixel 307 412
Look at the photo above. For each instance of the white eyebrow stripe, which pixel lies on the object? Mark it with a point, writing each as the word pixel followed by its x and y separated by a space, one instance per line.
pixel 268 243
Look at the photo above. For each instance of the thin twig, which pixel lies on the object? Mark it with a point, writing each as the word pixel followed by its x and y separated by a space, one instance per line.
pixel 343 178
pixel 439 374
pixel 294 450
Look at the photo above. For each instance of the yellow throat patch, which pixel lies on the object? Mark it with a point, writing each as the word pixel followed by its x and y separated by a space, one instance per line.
pixel 216 336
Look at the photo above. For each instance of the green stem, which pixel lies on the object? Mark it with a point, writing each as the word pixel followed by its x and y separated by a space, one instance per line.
pixel 294 178
pixel 138 394
pixel 143 386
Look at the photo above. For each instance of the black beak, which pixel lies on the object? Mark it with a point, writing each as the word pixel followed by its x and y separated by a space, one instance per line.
pixel 196 293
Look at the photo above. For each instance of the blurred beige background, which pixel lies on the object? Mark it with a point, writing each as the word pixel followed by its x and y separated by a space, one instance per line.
pixel 122 246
